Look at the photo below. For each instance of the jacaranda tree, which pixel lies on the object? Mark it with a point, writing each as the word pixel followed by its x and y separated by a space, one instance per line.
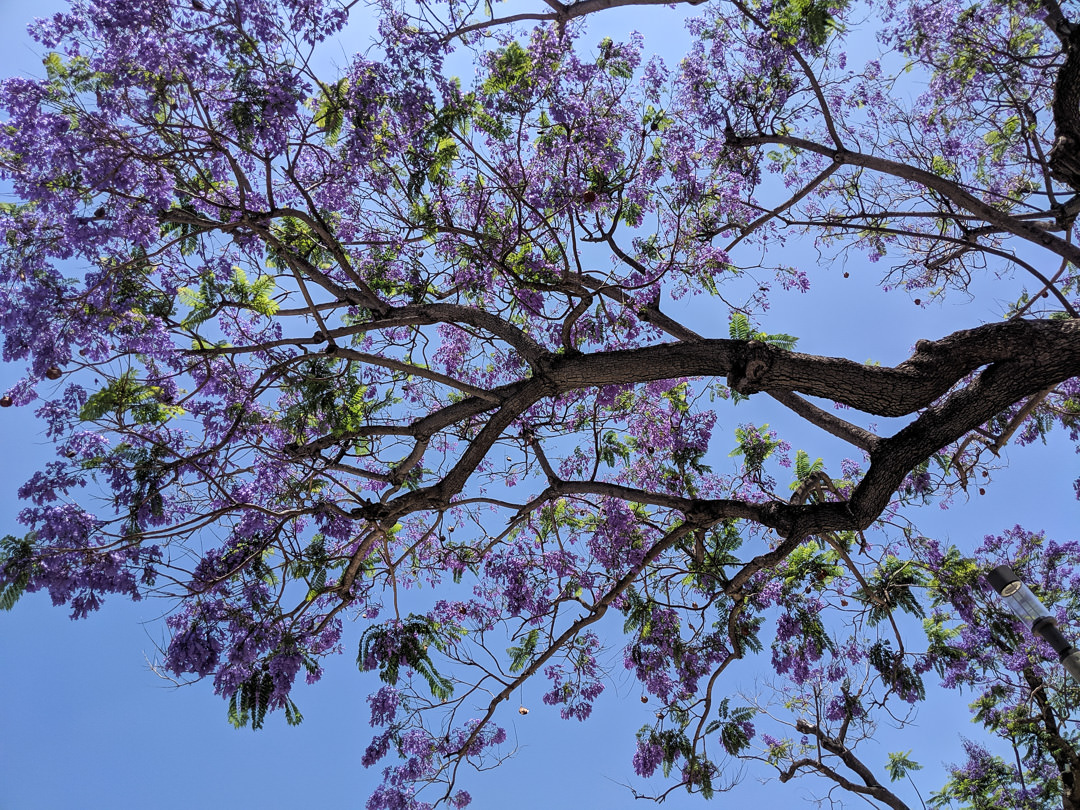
pixel 302 341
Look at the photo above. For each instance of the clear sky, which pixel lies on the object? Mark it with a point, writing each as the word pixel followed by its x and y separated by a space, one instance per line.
pixel 85 723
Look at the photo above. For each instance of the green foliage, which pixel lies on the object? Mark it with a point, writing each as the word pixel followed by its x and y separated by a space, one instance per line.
pixel 814 634
pixel 436 150
pixel 718 545
pixel 954 573
pixel 739 328
pixel 330 108
pixel 557 514
pixel 17 564
pixel 148 477
pixel 986 787
pixel 313 565
pixel 126 394
pixel 813 19
pixel 895 672
pixel 296 238
pixel 250 702
pixel 808 563
pixel 637 612
pixel 944 168
pixel 891 586
pixel 804 468
pixel 74 75
pixel 177 224
pixel 676 746
pixel 511 71
pixel 212 297
pixel 939 634
pixel 132 291
pixel 731 724
pixel 612 60
pixel 1001 139
pixel 900 765
pixel 408 644
pixel 613 448
pixel 521 655
pixel 327 396
pixel 755 445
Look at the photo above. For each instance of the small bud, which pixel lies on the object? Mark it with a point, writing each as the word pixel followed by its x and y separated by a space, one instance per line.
pixel 918 301
pixel 847 274
pixel 982 491
pixel 843 603
pixel 659 715
pixel 53 372
pixel 644 699
pixel 522 710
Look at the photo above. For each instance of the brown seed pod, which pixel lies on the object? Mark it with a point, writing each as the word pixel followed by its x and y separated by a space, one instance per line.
pixel 918 301
pixel 522 710
pixel 53 372
pixel 589 197
pixel 644 699
pixel 5 401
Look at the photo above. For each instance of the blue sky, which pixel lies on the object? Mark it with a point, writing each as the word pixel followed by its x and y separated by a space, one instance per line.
pixel 85 723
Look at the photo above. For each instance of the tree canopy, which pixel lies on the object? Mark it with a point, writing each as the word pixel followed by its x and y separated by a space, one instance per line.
pixel 307 337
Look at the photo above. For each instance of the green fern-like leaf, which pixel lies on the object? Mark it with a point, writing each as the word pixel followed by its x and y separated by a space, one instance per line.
pixel 521 655
pixel 739 328
pixel 16 562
